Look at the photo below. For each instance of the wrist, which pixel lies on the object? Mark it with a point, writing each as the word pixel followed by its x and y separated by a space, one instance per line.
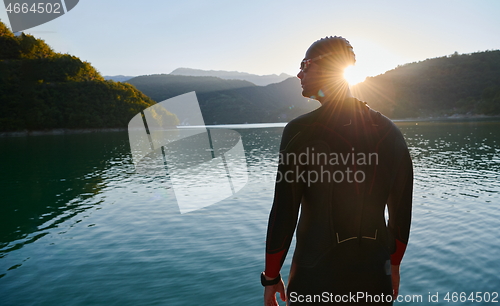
pixel 268 281
pixel 267 277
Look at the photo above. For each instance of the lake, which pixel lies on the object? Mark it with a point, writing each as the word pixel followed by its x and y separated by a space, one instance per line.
pixel 78 226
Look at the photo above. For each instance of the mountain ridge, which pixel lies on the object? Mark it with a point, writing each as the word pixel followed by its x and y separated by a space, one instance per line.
pixel 260 80
pixel 455 85
pixel 231 101
pixel 41 89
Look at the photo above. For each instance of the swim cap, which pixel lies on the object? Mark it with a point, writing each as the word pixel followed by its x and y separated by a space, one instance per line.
pixel 339 49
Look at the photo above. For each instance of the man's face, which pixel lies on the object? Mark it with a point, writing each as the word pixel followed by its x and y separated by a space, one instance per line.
pixel 311 79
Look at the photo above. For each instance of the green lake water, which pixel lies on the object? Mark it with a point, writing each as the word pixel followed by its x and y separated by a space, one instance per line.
pixel 78 226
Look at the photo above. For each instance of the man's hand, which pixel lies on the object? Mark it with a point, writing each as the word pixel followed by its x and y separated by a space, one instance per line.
pixel 395 281
pixel 270 293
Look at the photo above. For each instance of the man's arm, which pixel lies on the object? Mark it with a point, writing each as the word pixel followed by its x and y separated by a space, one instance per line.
pixel 283 216
pixel 400 206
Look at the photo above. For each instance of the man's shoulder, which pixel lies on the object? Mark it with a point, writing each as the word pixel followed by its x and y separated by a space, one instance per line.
pixel 379 119
pixel 388 129
pixel 302 121
pixel 299 126
pixel 306 118
pixel 384 125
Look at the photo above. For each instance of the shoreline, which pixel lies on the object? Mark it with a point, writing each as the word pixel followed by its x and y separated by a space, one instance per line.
pixel 452 117
pixel 25 133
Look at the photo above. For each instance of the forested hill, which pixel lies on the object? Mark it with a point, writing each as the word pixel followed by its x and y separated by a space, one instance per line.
pixel 467 84
pixel 41 89
pixel 231 101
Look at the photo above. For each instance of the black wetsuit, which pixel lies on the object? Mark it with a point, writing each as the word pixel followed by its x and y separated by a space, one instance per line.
pixel 357 163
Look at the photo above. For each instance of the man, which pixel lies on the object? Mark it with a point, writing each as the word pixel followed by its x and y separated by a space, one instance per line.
pixel 342 165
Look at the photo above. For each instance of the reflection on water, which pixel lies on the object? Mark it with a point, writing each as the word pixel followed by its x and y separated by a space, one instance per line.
pixel 458 145
pixel 76 218
pixel 46 180
pixel 456 196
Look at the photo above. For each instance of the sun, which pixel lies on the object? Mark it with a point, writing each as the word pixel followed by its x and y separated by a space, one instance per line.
pixel 354 75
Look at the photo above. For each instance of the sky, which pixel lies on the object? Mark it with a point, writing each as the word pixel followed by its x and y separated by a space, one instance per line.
pixel 122 37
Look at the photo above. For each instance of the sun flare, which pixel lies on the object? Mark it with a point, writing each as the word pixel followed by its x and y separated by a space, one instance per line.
pixel 354 75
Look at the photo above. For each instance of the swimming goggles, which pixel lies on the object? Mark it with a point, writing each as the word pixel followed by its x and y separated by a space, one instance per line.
pixel 305 64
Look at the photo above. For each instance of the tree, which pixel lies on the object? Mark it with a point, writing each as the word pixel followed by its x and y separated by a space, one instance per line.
pixel 9 45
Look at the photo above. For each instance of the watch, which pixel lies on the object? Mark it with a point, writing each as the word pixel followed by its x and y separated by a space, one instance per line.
pixel 266 282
